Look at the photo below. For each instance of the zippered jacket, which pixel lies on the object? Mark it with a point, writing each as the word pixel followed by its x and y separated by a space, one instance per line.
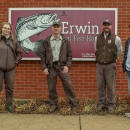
pixel 125 54
pixel 7 59
pixel 65 56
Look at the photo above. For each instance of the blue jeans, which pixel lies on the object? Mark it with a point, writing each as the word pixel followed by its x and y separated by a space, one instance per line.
pixel 128 77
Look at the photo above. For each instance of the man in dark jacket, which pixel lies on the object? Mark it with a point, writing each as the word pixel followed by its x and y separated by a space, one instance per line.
pixel 108 49
pixel 56 58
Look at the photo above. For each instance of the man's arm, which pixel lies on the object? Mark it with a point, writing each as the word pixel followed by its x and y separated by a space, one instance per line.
pixel 69 55
pixel 69 58
pixel 95 43
pixel 43 56
pixel 119 46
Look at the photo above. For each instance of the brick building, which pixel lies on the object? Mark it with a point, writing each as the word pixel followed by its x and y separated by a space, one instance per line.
pixel 30 81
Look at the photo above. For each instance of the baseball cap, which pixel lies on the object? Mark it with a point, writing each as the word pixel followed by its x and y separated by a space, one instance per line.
pixel 56 23
pixel 107 21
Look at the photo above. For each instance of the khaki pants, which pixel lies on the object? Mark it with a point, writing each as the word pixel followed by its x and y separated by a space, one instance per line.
pixel 106 79
pixel 8 78
pixel 67 84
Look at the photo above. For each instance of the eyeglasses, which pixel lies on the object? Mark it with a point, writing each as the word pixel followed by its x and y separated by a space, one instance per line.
pixel 7 28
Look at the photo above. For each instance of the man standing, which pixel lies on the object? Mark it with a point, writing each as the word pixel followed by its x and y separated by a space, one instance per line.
pixel 56 58
pixel 108 49
pixel 126 68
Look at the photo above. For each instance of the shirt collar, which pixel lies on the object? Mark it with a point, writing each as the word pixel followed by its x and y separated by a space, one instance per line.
pixel 53 38
pixel 106 35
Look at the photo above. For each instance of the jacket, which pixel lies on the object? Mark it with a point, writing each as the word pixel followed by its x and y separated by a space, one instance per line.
pixel 65 56
pixel 106 50
pixel 125 54
pixel 7 59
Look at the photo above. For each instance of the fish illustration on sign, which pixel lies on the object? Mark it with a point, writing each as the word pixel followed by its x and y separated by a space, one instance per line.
pixel 32 25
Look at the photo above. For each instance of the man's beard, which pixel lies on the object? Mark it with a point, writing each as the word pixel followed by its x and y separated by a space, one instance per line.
pixel 106 30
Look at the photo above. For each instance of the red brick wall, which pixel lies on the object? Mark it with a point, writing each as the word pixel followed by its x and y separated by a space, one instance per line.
pixel 30 81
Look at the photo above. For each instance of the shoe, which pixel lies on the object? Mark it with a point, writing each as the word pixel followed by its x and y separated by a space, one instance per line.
pixel 9 106
pixel 52 108
pixel 127 115
pixel 74 110
pixel 100 108
pixel 110 109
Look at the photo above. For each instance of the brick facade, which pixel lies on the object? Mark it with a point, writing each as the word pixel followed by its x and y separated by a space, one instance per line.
pixel 30 82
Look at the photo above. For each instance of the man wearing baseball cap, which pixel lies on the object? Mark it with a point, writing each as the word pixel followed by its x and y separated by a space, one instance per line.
pixel 56 59
pixel 108 49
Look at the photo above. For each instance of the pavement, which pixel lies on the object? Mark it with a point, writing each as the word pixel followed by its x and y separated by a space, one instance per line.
pixel 10 121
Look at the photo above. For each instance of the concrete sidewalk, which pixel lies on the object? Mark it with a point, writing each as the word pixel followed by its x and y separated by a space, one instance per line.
pixel 59 122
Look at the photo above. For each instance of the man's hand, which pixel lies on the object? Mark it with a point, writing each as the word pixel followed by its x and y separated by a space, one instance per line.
pixel 65 70
pixel 45 71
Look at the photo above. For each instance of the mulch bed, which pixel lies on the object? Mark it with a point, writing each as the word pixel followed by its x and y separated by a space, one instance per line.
pixel 85 106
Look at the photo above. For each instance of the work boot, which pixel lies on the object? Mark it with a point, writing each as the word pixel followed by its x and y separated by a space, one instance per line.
pixel 100 108
pixel 52 108
pixel 110 109
pixel 74 110
pixel 9 106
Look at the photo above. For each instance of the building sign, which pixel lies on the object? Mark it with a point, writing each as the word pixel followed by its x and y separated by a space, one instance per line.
pixel 80 25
